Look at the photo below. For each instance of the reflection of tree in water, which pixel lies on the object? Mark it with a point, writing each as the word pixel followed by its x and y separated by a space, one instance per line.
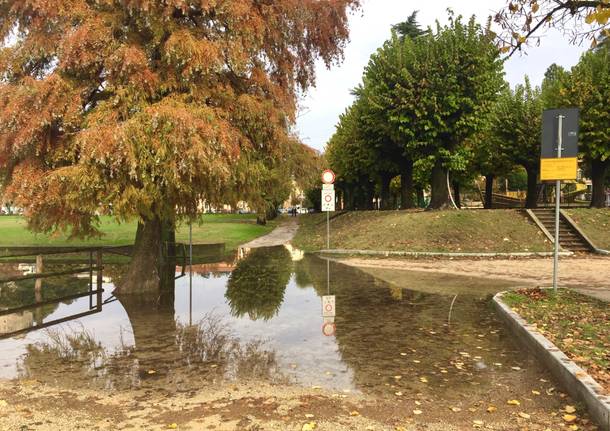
pixel 165 354
pixel 381 331
pixel 301 274
pixel 256 287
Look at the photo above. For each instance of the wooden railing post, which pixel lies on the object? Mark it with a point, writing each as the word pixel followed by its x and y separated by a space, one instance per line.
pixel 99 278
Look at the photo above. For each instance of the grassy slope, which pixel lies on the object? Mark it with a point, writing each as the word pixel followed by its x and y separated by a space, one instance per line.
pixel 232 229
pixel 595 223
pixel 577 324
pixel 445 231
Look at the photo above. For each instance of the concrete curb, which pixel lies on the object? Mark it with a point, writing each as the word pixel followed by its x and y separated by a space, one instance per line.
pixel 441 254
pixel 574 379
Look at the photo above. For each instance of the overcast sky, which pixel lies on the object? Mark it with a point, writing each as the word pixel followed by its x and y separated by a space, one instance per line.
pixel 371 26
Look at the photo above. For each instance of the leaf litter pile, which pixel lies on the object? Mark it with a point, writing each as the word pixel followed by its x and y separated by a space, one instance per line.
pixel 577 324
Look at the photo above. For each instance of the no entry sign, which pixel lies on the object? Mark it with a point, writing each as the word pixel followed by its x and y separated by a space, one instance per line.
pixel 328 177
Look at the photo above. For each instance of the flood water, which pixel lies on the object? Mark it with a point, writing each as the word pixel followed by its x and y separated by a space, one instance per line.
pixel 260 318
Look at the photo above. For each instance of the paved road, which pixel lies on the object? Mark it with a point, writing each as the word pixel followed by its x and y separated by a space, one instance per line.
pixel 281 235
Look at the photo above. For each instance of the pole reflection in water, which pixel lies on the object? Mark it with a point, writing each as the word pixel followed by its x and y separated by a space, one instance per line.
pixel 259 318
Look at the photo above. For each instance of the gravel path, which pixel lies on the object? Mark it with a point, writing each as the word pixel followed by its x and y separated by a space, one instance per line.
pixel 589 275
pixel 281 235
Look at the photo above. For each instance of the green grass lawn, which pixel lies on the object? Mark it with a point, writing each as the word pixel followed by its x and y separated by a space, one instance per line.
pixel 231 229
pixel 434 231
pixel 575 323
pixel 595 223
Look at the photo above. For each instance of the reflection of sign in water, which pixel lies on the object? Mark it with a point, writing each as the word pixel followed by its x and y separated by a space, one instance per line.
pixel 329 328
pixel 328 306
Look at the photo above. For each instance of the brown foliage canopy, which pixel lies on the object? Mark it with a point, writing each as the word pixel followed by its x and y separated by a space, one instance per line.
pixel 141 107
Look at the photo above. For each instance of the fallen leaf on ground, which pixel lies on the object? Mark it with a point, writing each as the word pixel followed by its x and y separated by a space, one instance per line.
pixel 354 413
pixel 569 418
pixel 524 415
pixel 417 412
pixel 456 409
pixel 570 409
pixel 309 426
pixel 513 402
pixel 491 409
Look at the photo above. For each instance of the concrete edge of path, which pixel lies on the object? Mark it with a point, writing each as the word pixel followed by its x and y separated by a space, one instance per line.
pixel 574 379
pixel 440 254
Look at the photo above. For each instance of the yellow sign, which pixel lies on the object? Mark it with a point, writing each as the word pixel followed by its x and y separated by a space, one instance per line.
pixel 558 169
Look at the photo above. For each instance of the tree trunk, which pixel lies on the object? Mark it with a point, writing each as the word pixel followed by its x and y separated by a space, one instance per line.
pixel 421 198
pixel 369 195
pixel 489 192
pixel 261 219
pixel 153 260
pixel 457 198
pixel 532 187
pixel 406 185
pixel 385 191
pixel 599 171
pixel 440 192
pixel 152 324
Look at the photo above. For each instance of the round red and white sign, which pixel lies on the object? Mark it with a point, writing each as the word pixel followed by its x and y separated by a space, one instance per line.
pixel 328 329
pixel 328 177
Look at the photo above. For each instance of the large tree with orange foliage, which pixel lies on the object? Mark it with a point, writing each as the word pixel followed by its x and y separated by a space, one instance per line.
pixel 142 109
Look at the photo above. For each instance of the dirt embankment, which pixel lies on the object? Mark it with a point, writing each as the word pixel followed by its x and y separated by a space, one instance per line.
pixel 468 231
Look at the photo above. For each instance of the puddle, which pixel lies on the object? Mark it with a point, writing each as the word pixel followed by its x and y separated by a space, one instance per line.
pixel 261 319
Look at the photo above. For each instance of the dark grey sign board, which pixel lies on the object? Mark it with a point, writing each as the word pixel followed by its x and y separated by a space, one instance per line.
pixel 550 127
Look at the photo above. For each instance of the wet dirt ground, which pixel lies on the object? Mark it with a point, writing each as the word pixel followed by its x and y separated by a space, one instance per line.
pixel 243 350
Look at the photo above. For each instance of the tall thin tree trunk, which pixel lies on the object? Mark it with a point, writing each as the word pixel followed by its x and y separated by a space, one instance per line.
pixel 457 198
pixel 440 192
pixel 531 200
pixel 369 195
pixel 386 178
pixel 489 191
pixel 599 170
pixel 421 198
pixel 406 185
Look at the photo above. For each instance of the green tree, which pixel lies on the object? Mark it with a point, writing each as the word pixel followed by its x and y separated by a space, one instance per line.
pixel 517 123
pixel 352 159
pixel 589 89
pixel 457 75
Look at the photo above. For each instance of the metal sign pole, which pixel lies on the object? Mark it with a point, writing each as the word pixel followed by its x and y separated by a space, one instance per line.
pixel 327 230
pixel 191 273
pixel 557 205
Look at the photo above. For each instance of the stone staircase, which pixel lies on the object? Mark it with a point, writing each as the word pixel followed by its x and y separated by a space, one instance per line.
pixel 569 238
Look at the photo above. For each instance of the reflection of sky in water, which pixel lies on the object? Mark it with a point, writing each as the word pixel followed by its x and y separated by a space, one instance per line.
pixel 388 338
pixel 295 333
pixel 303 352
